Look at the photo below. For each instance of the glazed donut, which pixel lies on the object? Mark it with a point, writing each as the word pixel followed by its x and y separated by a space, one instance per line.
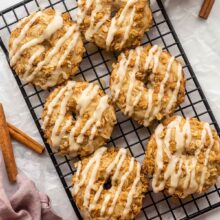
pixel 147 84
pixel 109 185
pixel 78 118
pixel 116 32
pixel 183 156
pixel 45 48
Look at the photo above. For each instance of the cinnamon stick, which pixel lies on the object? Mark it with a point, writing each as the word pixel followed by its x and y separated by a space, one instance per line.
pixel 23 138
pixel 206 8
pixel 6 147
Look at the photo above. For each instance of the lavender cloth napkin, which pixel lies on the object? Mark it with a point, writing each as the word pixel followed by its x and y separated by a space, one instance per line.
pixel 26 203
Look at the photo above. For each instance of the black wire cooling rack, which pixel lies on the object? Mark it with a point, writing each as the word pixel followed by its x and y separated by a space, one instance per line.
pixel 96 66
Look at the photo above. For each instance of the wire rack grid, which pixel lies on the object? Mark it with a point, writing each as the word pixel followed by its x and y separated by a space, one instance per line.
pixel 96 66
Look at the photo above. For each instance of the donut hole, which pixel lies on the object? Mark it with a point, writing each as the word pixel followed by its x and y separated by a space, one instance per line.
pixel 47 45
pixel 113 13
pixel 148 80
pixel 107 184
pixel 148 85
pixel 74 115
pixel 114 9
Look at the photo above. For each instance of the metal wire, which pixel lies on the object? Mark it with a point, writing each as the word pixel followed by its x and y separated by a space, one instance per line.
pixel 96 66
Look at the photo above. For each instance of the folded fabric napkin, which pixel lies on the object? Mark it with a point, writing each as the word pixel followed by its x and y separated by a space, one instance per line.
pixel 27 203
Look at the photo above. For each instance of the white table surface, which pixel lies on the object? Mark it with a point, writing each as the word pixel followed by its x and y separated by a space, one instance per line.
pixel 201 41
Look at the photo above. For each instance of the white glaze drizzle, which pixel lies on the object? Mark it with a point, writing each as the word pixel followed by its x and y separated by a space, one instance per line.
pixel 51 106
pixel 82 13
pixel 118 192
pixel 121 153
pixel 96 198
pixel 193 184
pixel 123 65
pixel 23 32
pixel 86 97
pixel 116 23
pixel 204 169
pixel 150 93
pixel 67 124
pixel 130 106
pixel 97 156
pixel 162 85
pixel 161 92
pixel 153 54
pixel 62 112
pixel 150 57
pixel 155 57
pixel 77 175
pixel 183 138
pixel 137 98
pixel 187 177
pixel 173 98
pixel 104 204
pixel 172 173
pixel 128 28
pixel 53 26
pixel 92 177
pixel 21 22
pixel 156 61
pixel 83 102
pixel 132 191
pixel 96 117
pixel 51 54
pixel 92 27
pixel 111 33
pixel 71 45
pixel 36 54
pixel 119 165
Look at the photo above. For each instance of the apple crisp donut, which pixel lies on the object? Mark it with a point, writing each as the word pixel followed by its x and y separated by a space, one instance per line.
pixel 183 156
pixel 116 32
pixel 109 185
pixel 78 118
pixel 147 84
pixel 45 48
